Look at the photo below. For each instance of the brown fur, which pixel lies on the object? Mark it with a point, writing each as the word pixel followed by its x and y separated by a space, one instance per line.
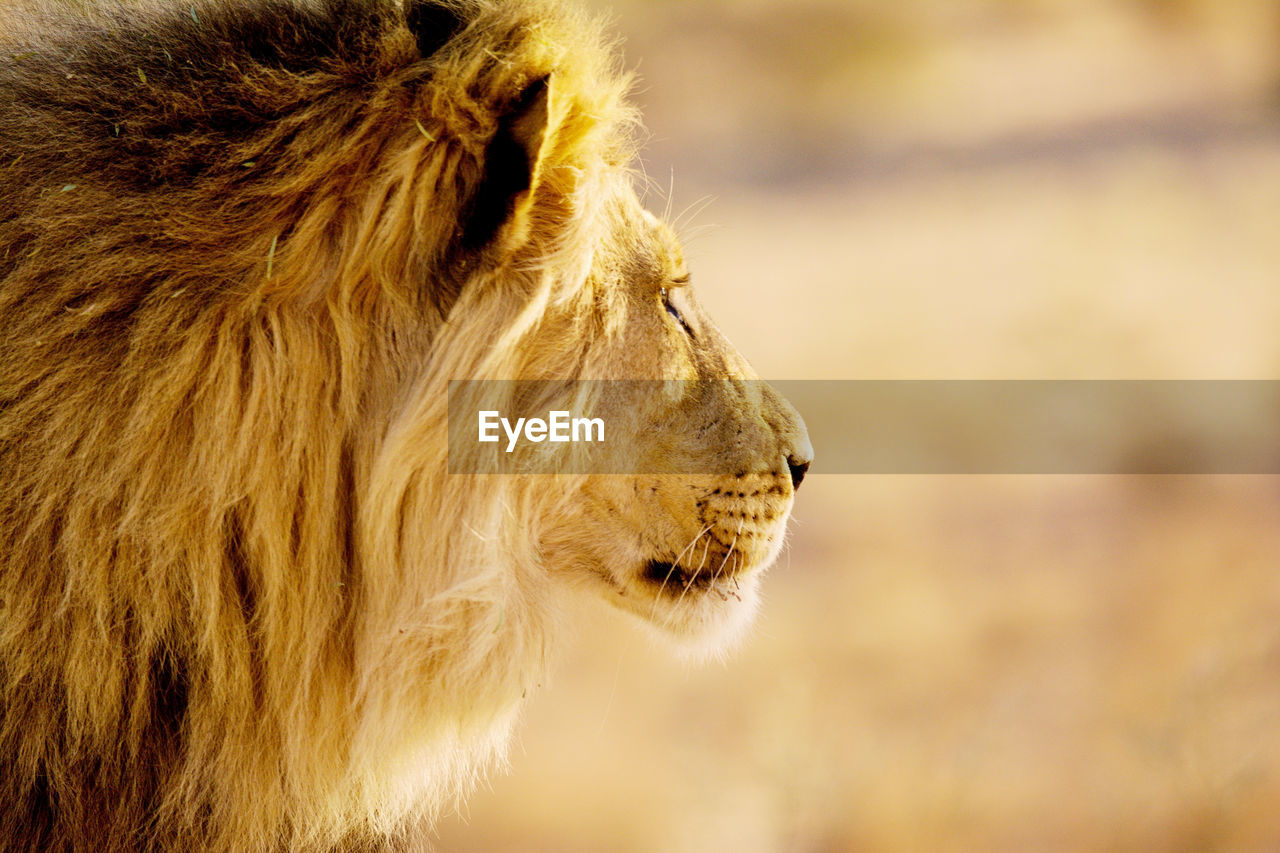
pixel 243 248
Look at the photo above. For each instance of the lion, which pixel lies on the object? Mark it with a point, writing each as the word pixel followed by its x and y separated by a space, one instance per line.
pixel 245 245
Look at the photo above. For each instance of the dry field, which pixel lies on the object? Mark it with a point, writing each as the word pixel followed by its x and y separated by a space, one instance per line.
pixel 939 189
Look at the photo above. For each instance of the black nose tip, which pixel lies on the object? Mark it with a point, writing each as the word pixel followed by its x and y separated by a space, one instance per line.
pixel 798 469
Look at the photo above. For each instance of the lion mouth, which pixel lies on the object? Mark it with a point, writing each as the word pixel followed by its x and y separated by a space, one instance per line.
pixel 673 579
pixel 707 606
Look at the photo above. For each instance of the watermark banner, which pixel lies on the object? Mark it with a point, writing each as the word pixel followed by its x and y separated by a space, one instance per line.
pixel 868 426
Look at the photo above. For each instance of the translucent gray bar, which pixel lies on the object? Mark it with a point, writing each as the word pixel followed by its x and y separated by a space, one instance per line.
pixel 909 427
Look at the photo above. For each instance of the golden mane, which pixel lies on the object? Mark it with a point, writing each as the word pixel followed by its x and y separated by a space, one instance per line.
pixel 242 605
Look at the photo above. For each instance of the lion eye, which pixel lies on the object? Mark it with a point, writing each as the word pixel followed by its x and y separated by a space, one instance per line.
pixel 675 312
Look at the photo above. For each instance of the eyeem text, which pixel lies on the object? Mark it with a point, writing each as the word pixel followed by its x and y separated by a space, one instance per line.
pixel 558 427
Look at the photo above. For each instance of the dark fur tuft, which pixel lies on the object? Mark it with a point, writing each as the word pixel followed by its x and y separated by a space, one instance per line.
pixel 509 162
pixel 433 23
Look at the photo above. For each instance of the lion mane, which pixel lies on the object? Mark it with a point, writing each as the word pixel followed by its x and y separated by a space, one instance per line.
pixel 243 248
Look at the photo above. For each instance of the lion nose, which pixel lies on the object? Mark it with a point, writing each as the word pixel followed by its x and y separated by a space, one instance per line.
pixel 798 468
pixel 793 438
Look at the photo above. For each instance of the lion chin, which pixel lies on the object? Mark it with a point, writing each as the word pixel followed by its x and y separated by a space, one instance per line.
pixel 706 614
pixel 701 608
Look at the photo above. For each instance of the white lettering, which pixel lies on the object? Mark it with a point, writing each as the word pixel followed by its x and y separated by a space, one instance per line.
pixel 559 427
pixel 587 424
pixel 535 430
pixel 512 434
pixel 559 422
pixel 489 421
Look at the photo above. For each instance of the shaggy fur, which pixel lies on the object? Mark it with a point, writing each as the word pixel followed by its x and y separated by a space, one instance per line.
pixel 229 236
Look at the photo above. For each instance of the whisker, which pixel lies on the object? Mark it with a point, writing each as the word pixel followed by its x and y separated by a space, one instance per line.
pixel 689 213
pixel 707 550
pixel 732 546
pixel 716 576
pixel 674 563
pixel 671 194
pixel 693 542
pixel 692 235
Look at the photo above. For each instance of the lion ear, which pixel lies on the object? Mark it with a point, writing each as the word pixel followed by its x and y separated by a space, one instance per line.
pixel 432 23
pixel 500 205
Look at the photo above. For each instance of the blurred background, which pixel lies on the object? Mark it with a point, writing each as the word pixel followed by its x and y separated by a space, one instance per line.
pixel 954 189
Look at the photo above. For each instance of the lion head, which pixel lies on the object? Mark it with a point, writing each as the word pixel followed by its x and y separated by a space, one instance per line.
pixel 246 247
